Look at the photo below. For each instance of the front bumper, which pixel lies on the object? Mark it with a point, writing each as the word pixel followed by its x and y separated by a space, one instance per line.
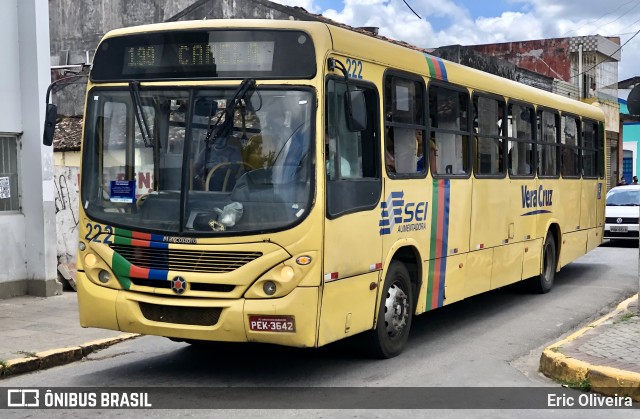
pixel 631 232
pixel 197 318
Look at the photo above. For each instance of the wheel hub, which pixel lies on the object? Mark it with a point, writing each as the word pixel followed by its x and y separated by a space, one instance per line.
pixel 396 310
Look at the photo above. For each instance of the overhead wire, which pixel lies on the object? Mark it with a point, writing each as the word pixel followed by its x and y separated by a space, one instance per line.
pixel 622 15
pixel 606 14
pixel 414 12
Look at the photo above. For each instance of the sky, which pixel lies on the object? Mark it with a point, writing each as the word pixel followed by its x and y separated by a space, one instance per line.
pixel 469 22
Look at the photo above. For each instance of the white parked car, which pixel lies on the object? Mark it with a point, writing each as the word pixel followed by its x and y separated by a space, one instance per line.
pixel 623 204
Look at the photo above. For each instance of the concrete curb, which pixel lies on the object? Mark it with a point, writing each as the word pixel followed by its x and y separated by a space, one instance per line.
pixel 605 380
pixel 54 357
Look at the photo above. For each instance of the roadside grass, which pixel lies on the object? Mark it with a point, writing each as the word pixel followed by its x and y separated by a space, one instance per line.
pixel 625 317
pixel 584 384
pixel 4 367
pixel 28 354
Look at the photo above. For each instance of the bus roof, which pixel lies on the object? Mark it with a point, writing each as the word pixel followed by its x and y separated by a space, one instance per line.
pixel 354 43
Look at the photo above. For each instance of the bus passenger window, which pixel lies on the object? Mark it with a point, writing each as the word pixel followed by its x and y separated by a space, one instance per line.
pixel 489 135
pixel 448 111
pixel 521 145
pixel 404 120
pixel 590 150
pixel 548 123
pixel 570 158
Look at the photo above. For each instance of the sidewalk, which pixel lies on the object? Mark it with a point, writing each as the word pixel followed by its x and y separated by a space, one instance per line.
pixel 603 356
pixel 38 333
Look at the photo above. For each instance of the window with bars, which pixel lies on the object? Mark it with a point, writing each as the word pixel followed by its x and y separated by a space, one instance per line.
pixel 9 196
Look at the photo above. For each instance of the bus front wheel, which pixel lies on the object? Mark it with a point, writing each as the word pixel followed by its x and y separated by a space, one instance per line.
pixel 394 316
pixel 542 283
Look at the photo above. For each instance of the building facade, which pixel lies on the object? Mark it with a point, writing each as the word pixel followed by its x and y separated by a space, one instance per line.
pixel 584 68
pixel 27 211
pixel 78 25
pixel 630 131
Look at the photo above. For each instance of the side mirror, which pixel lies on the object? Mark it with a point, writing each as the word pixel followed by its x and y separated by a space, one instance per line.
pixel 356 110
pixel 49 124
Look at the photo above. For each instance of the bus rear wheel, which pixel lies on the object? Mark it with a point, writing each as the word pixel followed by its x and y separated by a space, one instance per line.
pixel 543 283
pixel 395 314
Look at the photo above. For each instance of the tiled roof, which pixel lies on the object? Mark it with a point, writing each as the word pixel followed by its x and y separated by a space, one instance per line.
pixel 68 134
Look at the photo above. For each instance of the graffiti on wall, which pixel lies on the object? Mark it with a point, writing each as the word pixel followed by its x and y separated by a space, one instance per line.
pixel 66 200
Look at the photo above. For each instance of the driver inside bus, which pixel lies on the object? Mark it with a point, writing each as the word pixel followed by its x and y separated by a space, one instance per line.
pixel 221 157
pixel 218 164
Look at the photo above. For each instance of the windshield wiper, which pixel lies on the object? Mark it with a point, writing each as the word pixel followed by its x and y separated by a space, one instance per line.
pixel 224 130
pixel 134 89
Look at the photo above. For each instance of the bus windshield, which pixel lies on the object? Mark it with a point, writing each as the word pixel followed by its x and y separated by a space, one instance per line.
pixel 217 161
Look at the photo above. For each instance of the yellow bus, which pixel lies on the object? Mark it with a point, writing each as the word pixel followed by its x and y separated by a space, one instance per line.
pixel 297 183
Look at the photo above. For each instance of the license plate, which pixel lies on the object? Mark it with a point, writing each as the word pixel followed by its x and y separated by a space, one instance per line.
pixel 619 229
pixel 272 324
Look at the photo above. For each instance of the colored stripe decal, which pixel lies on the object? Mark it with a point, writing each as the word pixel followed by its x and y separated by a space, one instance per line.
pixel 121 267
pixel 122 240
pixel 439 243
pixel 156 239
pixel 141 236
pixel 125 270
pixel 122 232
pixel 437 68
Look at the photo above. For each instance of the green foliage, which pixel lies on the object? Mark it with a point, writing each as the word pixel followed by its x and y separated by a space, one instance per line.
pixel 583 385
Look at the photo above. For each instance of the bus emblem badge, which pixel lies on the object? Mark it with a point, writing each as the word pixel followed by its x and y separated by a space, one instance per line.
pixel 178 285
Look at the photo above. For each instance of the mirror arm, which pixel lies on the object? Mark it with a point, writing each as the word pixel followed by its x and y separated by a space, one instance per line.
pixel 334 64
pixel 51 109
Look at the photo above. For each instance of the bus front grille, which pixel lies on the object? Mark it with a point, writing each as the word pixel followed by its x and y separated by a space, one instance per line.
pixel 623 220
pixel 206 261
pixel 195 316
pixel 195 286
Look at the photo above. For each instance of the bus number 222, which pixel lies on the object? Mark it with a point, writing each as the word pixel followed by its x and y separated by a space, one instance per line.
pixel 96 236
pixel 354 68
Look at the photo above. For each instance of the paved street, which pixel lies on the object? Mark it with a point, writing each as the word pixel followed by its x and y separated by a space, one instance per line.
pixel 492 340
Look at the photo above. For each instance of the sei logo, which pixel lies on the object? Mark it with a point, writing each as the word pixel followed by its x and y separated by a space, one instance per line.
pixel 408 216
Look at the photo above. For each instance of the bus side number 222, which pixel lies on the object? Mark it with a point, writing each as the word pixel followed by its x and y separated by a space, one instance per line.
pixel 354 68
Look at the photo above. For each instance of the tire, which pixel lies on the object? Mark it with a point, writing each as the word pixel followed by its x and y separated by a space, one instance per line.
pixel 394 316
pixel 543 283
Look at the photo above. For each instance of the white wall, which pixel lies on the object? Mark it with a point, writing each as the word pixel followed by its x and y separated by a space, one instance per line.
pixel 28 240
pixel 10 115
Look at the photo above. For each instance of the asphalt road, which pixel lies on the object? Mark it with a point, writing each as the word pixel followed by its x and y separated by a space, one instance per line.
pixel 492 340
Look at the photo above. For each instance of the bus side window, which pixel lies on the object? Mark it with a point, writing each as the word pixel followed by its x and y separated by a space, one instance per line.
pixel 521 142
pixel 404 126
pixel 590 149
pixel 569 138
pixel 351 157
pixel 489 135
pixel 450 130
pixel 548 124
